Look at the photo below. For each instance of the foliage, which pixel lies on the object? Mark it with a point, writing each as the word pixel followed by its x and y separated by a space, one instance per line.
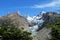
pixel 10 31
pixel 55 26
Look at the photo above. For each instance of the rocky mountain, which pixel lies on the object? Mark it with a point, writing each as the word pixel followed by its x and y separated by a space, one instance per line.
pixel 48 17
pixel 35 24
pixel 16 19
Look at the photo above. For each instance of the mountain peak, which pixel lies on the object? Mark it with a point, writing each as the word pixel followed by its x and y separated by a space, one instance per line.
pixel 43 12
pixel 14 14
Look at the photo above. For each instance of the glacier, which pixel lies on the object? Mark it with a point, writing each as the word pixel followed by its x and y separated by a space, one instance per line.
pixel 35 21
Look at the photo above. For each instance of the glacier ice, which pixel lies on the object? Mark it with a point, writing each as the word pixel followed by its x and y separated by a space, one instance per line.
pixel 37 20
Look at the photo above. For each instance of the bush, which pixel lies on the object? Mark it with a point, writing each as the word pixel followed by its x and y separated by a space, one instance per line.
pixel 10 31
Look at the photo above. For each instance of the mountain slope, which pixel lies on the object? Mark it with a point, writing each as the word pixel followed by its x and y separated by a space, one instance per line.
pixel 17 19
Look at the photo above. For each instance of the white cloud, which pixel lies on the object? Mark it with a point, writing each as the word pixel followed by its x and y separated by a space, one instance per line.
pixel 55 3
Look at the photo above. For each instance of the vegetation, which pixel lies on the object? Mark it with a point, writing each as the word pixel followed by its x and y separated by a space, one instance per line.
pixel 55 26
pixel 10 31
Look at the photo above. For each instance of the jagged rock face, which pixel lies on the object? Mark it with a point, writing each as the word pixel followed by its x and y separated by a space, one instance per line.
pixel 20 21
pixel 47 15
pixel 44 33
pixel 50 17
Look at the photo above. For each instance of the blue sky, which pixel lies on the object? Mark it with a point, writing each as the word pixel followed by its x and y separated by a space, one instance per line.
pixel 28 7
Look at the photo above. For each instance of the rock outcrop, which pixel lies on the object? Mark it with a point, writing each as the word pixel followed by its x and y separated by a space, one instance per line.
pixel 44 33
pixel 17 19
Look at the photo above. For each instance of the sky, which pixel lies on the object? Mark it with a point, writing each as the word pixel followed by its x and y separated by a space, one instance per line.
pixel 28 7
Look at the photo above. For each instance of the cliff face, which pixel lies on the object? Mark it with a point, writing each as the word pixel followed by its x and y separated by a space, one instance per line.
pixel 44 33
pixel 50 17
pixel 20 21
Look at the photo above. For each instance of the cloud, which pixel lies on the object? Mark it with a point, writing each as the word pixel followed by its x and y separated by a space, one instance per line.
pixel 55 3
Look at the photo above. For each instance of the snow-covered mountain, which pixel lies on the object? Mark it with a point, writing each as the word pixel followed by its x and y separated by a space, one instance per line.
pixel 35 23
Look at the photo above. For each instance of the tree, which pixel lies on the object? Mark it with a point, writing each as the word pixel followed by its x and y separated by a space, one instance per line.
pixel 10 31
pixel 55 32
